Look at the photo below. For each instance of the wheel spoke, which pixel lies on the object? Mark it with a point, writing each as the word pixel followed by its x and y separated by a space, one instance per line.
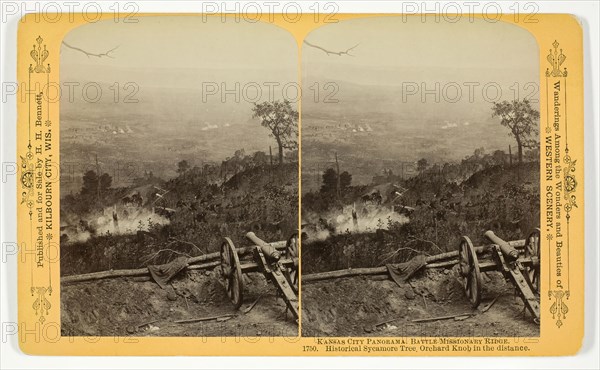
pixel 468 287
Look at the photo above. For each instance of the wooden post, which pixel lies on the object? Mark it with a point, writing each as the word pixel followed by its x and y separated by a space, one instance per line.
pixel 337 185
pixel 354 217
pixel 115 216
pixel 98 175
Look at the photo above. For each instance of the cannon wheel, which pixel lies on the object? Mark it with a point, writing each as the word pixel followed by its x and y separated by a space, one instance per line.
pixel 291 251
pixel 231 272
pixel 469 270
pixel 532 250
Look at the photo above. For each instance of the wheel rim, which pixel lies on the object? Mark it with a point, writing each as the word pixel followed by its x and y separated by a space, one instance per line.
pixel 469 271
pixel 291 251
pixel 532 250
pixel 231 273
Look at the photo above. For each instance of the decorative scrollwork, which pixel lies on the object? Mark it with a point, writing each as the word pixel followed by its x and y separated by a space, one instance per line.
pixel 27 179
pixel 39 56
pixel 556 59
pixel 41 305
pixel 559 308
pixel 570 184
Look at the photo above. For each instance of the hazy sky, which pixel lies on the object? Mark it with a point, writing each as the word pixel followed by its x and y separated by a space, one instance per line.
pixel 385 43
pixel 183 42
pixel 390 42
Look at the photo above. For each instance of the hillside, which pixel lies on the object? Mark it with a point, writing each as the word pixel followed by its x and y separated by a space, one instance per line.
pixel 436 208
pixel 188 215
pixel 154 222
pixel 444 206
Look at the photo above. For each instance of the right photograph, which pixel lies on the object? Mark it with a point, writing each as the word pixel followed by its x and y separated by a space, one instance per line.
pixel 420 179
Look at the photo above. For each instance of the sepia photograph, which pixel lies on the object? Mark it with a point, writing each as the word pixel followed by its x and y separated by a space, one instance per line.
pixel 421 179
pixel 179 178
pixel 331 182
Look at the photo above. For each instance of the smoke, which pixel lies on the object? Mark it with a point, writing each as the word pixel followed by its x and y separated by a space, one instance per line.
pixel 115 221
pixel 369 217
pixel 76 235
pixel 129 220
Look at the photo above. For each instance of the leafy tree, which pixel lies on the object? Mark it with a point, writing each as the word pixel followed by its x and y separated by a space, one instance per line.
pixel 90 184
pixel 183 166
pixel 479 153
pixel 422 164
pixel 532 155
pixel 239 154
pixel 521 118
pixel 345 180
pixel 329 181
pixel 260 158
pixel 292 156
pixel 282 120
pixel 105 182
pixel 499 157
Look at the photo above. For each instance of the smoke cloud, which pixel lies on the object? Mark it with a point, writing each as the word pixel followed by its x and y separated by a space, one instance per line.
pixel 129 220
pixel 370 217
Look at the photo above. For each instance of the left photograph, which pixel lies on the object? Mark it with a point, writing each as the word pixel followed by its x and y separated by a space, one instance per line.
pixel 179 178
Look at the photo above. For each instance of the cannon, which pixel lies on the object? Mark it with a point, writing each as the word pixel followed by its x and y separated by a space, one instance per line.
pixel 521 267
pixel 279 268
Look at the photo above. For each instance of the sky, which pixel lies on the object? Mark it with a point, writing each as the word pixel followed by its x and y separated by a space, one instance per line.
pixel 176 43
pixel 261 51
pixel 428 48
pixel 184 42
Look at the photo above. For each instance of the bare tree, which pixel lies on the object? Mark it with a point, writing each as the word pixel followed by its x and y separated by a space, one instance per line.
pixel 106 54
pixel 521 118
pixel 330 52
pixel 282 120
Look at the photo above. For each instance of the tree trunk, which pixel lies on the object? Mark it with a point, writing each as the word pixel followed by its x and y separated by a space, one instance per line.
pixel 98 176
pixel 520 150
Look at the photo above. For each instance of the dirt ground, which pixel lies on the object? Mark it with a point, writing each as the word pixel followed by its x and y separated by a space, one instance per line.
pixel 139 307
pixel 376 306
